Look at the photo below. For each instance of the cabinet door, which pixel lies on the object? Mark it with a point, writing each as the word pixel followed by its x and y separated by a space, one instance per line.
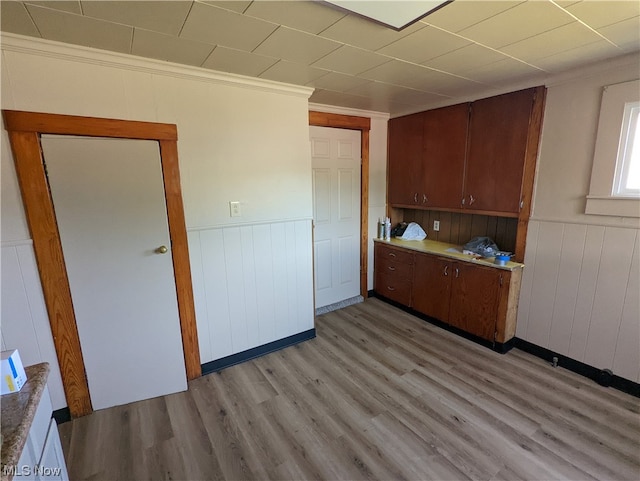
pixel 444 150
pixel 432 286
pixel 498 133
pixel 405 158
pixel 474 294
pixel 52 465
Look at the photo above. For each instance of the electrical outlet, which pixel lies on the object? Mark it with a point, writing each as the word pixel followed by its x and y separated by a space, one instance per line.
pixel 234 208
pixel 436 225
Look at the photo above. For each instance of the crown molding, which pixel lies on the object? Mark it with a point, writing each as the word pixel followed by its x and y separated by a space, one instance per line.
pixel 333 109
pixel 48 48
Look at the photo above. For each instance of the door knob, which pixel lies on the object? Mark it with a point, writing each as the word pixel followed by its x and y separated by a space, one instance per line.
pixel 162 250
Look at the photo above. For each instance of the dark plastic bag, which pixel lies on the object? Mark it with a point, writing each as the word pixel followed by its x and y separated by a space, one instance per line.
pixel 483 246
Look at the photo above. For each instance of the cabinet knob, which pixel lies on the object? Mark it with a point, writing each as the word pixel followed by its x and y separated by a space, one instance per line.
pixel 471 199
pixel 391 268
pixel 457 272
pixel 391 288
pixel 446 270
pixel 391 254
pixel 415 197
pixel 425 199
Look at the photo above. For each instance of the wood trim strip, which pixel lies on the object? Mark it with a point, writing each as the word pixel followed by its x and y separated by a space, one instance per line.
pixel 339 121
pixel 24 133
pixel 364 212
pixel 180 255
pixel 528 175
pixel 53 273
pixel 16 120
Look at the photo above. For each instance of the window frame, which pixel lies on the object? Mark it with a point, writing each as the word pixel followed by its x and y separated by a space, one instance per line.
pixel 602 198
pixel 628 136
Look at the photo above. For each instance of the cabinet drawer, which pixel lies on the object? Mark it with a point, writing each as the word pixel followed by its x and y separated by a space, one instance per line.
pixel 393 287
pixel 393 268
pixel 397 255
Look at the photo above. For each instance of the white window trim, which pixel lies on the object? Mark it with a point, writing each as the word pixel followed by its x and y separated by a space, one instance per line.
pixel 623 162
pixel 601 199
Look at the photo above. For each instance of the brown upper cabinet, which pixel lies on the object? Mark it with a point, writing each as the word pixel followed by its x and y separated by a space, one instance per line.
pixel 405 160
pixel 474 157
pixel 498 133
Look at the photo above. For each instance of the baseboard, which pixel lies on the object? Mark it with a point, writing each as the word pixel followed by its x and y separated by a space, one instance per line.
pixel 601 376
pixel 62 415
pixel 222 363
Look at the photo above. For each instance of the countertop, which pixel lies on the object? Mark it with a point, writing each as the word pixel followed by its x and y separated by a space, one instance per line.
pixel 18 411
pixel 443 249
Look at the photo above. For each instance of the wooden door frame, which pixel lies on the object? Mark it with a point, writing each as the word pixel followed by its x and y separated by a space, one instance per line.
pixel 25 129
pixel 363 124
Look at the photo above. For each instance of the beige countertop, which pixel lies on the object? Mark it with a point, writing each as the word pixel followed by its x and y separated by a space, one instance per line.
pixel 444 249
pixel 18 411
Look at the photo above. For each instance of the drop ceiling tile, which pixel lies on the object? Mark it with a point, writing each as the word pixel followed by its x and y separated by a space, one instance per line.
pixel 504 72
pixel 567 37
pixel 340 99
pixel 425 44
pixel 236 5
pixel 520 22
pixel 14 18
pixel 238 61
pixel 465 59
pixel 217 26
pixel 65 6
pixel 601 14
pixel 566 3
pixel 350 60
pixel 393 71
pixel 358 32
pixel 308 16
pixel 170 48
pixel 80 30
pixel 461 14
pixel 575 57
pixel 625 34
pixel 293 73
pixel 338 82
pixel 159 16
pixel 395 93
pixel 296 46
pixel 440 83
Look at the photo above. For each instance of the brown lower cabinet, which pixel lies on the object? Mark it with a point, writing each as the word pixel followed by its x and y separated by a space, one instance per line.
pixel 480 300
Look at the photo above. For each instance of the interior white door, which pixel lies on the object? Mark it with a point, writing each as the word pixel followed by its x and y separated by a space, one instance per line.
pixel 108 196
pixel 336 166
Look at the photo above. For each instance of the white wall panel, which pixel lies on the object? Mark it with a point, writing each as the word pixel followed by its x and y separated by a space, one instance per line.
pixel 256 287
pixel 626 362
pixel 545 278
pixel 527 279
pixel 586 290
pixel 591 312
pixel 608 302
pixel 197 279
pixel 25 324
pixel 567 288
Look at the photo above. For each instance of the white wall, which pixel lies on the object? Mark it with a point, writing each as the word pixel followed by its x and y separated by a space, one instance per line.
pixel 239 139
pixel 580 291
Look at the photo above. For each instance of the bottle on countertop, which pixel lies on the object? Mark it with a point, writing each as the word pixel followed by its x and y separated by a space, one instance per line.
pixel 387 229
pixel 380 228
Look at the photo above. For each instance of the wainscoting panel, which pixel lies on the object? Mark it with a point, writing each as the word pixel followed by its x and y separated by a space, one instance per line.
pixel 25 323
pixel 252 285
pixel 580 294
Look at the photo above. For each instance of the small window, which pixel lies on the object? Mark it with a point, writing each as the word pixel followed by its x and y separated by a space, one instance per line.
pixel 627 179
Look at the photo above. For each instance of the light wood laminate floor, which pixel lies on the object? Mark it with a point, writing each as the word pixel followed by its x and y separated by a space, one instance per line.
pixel 379 394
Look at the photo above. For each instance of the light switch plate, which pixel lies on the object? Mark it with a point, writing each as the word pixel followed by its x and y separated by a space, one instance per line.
pixel 234 209
pixel 436 225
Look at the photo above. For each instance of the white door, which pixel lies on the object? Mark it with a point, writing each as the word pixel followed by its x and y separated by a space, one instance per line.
pixel 336 165
pixel 108 196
